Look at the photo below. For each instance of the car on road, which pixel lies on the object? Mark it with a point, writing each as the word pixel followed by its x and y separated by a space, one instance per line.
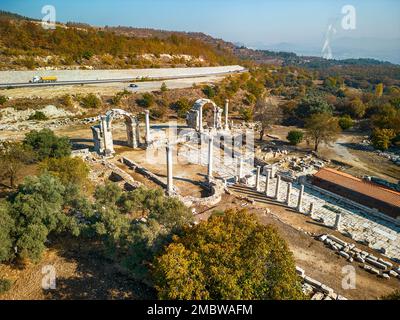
pixel 133 85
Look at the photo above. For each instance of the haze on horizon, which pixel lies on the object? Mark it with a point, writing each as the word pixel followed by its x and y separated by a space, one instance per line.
pixel 282 25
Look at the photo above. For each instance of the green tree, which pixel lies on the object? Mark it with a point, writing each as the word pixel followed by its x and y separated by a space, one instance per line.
pixel 47 145
pixel 164 87
pixel 7 225
pixel 295 137
pixel 37 209
pixel 311 105
pixel 13 157
pixel 321 127
pixel 227 257
pixel 162 218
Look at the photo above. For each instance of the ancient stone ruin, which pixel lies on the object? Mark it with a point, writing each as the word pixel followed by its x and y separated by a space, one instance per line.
pixel 194 117
pixel 102 133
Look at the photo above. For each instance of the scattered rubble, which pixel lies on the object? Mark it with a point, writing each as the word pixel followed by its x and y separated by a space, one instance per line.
pixel 369 262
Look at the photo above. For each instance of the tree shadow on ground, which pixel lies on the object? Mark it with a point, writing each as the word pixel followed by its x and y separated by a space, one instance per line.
pixel 96 278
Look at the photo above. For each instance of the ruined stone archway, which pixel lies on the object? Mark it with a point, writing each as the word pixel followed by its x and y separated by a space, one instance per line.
pixel 102 133
pixel 194 117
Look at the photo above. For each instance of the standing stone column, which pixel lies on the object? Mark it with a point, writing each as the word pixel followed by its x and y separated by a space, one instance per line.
pixel 257 186
pixel 300 202
pixel 169 170
pixel 273 172
pixel 337 221
pixel 147 119
pixel 226 114
pixel 240 168
pixel 312 205
pixel 267 178
pixel 210 157
pixel 289 191
pixel 201 119
pixel 277 187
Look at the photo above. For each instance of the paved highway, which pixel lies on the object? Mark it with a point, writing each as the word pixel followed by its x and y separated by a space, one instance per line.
pixel 162 74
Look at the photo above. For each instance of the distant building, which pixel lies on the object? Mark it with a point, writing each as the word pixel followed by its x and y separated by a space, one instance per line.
pixel 366 193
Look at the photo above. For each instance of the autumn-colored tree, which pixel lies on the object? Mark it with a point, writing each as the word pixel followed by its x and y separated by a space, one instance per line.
pixel 68 170
pixel 346 122
pixel 357 108
pixel 231 256
pixel 381 138
pixel 267 113
pixel 379 90
pixel 321 127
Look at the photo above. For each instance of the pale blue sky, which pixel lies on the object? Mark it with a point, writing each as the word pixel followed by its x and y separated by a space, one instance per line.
pixel 302 22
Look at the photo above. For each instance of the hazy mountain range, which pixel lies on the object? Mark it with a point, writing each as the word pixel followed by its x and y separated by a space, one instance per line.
pixel 342 48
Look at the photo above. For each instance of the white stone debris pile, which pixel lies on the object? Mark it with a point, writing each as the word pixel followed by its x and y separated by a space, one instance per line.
pixel 368 261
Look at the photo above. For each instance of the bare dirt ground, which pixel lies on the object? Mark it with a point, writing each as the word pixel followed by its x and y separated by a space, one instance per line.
pixel 82 273
pixel 346 150
pixel 361 162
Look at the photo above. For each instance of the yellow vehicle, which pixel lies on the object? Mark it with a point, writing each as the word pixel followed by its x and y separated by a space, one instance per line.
pixel 37 79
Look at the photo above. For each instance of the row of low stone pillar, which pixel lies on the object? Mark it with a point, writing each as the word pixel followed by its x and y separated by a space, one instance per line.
pixel 299 204
pixel 268 178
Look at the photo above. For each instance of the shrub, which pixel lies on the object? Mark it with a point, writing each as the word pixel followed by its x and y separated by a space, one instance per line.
pixel 3 99
pixel 295 137
pixel 90 101
pixel 38 115
pixel 182 106
pixel 346 122
pixel 5 285
pixel 209 91
pixel 146 101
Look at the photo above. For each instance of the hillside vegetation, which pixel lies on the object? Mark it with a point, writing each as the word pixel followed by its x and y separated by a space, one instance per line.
pixel 25 44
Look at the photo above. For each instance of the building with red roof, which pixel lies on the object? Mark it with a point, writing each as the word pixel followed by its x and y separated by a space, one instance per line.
pixel 371 195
